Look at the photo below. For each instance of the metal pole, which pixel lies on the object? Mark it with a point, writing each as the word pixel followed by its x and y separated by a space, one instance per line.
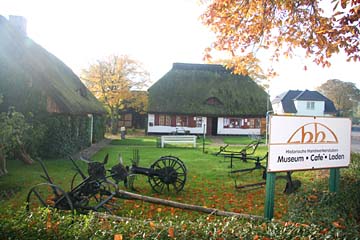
pixel 270 195
pixel 267 126
pixel 204 124
pixel 334 180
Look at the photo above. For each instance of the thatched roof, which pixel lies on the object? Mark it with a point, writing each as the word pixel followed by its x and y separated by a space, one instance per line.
pixel 208 90
pixel 32 79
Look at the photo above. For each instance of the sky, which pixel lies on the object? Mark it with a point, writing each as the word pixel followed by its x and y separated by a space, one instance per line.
pixel 156 33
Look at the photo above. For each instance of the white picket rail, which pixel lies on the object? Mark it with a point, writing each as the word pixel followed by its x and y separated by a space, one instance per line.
pixel 175 139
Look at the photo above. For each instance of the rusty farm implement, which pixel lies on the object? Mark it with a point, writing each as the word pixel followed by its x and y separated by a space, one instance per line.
pixel 247 154
pixel 241 155
pixel 259 165
pixel 99 188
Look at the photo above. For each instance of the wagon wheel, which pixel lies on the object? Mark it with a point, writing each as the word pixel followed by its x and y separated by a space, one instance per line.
pixel 95 195
pixel 75 181
pixel 105 199
pixel 48 195
pixel 169 174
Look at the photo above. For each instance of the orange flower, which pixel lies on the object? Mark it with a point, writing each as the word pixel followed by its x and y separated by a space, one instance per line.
pixel 324 231
pixel 171 232
pixel 312 198
pixel 152 225
pixel 118 237
pixel 48 222
pixel 338 225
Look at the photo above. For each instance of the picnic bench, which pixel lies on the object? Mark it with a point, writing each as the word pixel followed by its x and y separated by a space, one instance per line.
pixel 175 139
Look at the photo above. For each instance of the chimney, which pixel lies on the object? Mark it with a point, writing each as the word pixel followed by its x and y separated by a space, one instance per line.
pixel 19 22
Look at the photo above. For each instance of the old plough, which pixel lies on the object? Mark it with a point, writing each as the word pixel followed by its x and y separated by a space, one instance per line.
pixel 98 188
pixel 247 154
pixel 242 155
pixel 290 187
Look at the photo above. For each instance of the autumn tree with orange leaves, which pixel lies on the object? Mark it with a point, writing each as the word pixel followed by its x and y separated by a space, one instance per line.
pixel 321 28
pixel 113 81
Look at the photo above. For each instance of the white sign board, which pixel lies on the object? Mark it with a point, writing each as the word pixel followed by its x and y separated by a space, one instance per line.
pixel 302 143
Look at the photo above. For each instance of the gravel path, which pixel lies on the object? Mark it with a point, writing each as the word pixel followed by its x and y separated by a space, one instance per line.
pixel 355 141
pixel 216 140
pixel 94 148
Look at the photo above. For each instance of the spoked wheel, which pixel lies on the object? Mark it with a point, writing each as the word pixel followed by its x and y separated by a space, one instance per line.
pixel 76 180
pixel 169 175
pixel 93 195
pixel 48 195
pixel 105 199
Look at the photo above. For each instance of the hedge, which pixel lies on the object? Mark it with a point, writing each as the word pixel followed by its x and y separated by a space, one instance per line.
pixel 46 224
pixel 68 134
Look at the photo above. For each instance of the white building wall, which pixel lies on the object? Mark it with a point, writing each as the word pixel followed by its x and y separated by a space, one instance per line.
pixel 318 110
pixel 277 108
pixel 235 131
pixel 169 129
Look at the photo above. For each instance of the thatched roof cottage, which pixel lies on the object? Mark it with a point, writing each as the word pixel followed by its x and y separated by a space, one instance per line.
pixel 34 80
pixel 206 97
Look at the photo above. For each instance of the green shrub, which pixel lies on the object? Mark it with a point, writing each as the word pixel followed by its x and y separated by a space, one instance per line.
pixel 47 135
pixel 341 209
pixel 19 132
pixel 354 168
pixel 34 136
pixel 67 134
pixel 99 128
pixel 46 224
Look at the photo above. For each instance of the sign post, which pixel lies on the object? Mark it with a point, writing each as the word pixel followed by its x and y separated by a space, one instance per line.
pixel 204 127
pixel 334 180
pixel 270 195
pixel 306 143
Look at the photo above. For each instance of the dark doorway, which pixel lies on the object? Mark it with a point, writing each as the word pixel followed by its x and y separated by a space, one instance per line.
pixel 211 126
pixel 214 126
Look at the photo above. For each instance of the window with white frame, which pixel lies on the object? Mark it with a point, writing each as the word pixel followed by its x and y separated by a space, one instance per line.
pixel 182 121
pixel 310 105
pixel 198 121
pixel 164 120
pixel 233 122
pixel 242 123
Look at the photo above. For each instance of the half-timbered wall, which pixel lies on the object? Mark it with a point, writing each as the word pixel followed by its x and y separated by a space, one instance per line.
pixel 164 123
pixel 195 125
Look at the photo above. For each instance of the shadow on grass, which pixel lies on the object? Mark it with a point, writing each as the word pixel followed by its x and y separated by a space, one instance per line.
pixel 141 141
pixel 243 140
pixel 153 141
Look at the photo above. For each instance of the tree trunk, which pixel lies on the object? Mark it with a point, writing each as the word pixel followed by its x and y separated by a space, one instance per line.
pixel 3 170
pixel 114 122
pixel 25 157
pixel 213 211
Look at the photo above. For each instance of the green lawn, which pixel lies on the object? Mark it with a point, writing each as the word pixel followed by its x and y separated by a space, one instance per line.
pixel 312 213
pixel 153 141
pixel 136 141
pixel 244 140
pixel 208 181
